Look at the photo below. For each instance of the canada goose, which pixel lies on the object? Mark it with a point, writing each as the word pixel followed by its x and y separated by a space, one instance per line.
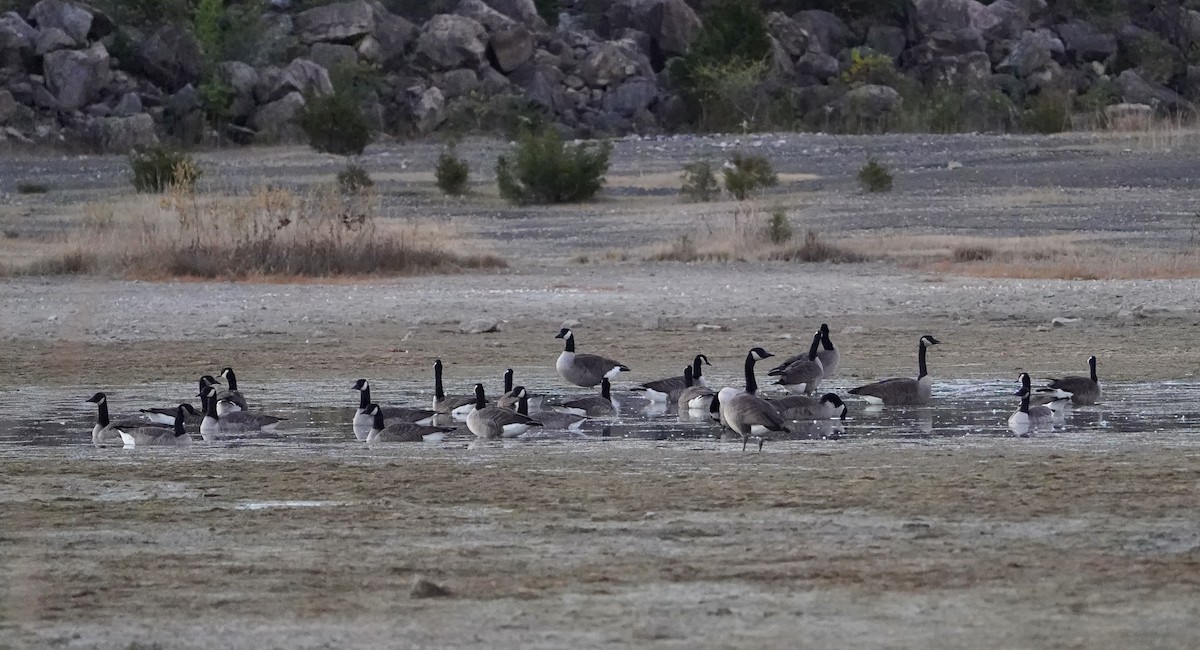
pixel 803 376
pixel 1083 390
pixel 828 355
pixel 155 435
pixel 744 411
pixel 215 426
pixel 231 393
pixel 804 407
pixel 457 406
pixel 549 419
pixel 1057 401
pixel 494 422
pixel 104 431
pixel 669 389
pixel 362 422
pixel 381 431
pixel 693 397
pixel 902 390
pixel 1021 422
pixel 509 399
pixel 593 405
pixel 1029 415
pixel 584 369
pixel 167 415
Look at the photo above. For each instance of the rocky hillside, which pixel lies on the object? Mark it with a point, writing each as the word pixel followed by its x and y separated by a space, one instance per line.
pixel 98 76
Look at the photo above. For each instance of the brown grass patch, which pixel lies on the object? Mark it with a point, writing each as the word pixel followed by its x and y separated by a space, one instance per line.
pixel 747 234
pixel 270 232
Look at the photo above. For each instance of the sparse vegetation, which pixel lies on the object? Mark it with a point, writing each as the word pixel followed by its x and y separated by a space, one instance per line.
pixel 335 124
pixel 875 177
pixel 32 187
pixel 815 250
pixel 1048 112
pixel 452 173
pixel 353 179
pixel 543 169
pixel 745 174
pixel 699 182
pixel 869 69
pixel 749 235
pixel 779 231
pixel 972 253
pixel 159 169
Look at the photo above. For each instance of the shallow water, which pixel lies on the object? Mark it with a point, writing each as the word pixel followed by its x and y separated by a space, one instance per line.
pixel 319 413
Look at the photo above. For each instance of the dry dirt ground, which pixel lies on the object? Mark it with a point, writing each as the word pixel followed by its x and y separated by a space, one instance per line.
pixel 932 543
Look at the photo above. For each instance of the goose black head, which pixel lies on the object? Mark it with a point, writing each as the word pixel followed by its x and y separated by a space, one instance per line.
pixel 703 359
pixel 188 407
pixel 372 409
pixel 564 333
pixel 479 391
pixel 760 354
pixel 929 340
pixel 832 398
pixel 209 380
pixel 225 372
pixel 359 385
pixel 824 329
pixel 520 392
pixel 97 398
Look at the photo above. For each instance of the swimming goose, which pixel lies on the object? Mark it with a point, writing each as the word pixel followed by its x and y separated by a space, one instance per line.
pixel 549 419
pixel 381 431
pixel 362 422
pixel 584 369
pixel 155 435
pixel 828 355
pixel 510 398
pixel 593 405
pixel 231 394
pixel 494 422
pixel 902 390
pixel 804 407
pixel 104 430
pixel 669 389
pixel 167 415
pixel 215 426
pixel 1083 390
pixel 1029 415
pixel 802 377
pixel 693 397
pixel 457 406
pixel 745 412
pixel 1059 402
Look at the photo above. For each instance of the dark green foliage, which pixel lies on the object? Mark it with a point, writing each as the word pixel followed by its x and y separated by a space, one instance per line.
pixel 778 228
pixel 875 177
pixel 141 13
pixel 356 79
pixel 452 173
pixel 548 10
pixel 158 169
pixel 745 174
pixel 1048 112
pixel 732 43
pixel 699 181
pixel 335 124
pixel 32 187
pixel 889 11
pixel 217 100
pixel 354 179
pixel 545 170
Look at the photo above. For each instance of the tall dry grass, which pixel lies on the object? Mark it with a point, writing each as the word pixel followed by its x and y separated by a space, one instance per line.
pixel 1179 132
pixel 271 232
pixel 747 234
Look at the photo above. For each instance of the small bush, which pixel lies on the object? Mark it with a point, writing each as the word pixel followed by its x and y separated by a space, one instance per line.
pixel 159 169
pixel 32 187
pixel 815 250
pixel 545 170
pixel 730 51
pixel 354 179
pixel 972 253
pixel 452 173
pixel 869 69
pixel 745 174
pixel 73 262
pixel 779 230
pixel 875 177
pixel 1049 112
pixel 699 181
pixel 335 124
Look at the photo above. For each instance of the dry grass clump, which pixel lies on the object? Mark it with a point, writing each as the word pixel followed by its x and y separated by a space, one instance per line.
pixel 814 249
pixel 748 235
pixel 973 253
pixel 272 232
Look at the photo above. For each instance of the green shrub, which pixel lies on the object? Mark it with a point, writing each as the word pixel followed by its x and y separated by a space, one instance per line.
pixel 354 179
pixel 335 124
pixel 869 69
pixel 729 96
pixel 733 39
pixel 32 187
pixel 545 170
pixel 1048 112
pixel 452 173
pixel 548 10
pixel 699 181
pixel 875 177
pixel 158 169
pixel 217 100
pixel 745 174
pixel 778 228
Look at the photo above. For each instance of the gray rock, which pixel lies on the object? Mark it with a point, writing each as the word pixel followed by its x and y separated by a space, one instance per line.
pixel 671 24
pixel 945 15
pixel 791 36
pixel 818 65
pixel 332 55
pixel 1032 53
pixel 51 39
pixel 76 77
pixel 868 103
pixel 41 97
pixel 522 11
pixel 73 19
pixel 886 39
pixel 8 107
pixel 827 33
pixel 304 77
pixel 16 35
pixel 479 326
pixel 170 56
pixel 394 36
pixel 241 77
pixel 122 134
pixel 542 85
pixel 339 22
pixel 1083 41
pixel 451 42
pixel 129 104
pixel 275 122
pixel 609 63
pixel 485 15
pixel 428 110
pixel 952 42
pixel 1136 90
pixel 1003 19
pixel 457 83
pixel 512 47
pixel 274 40
pixel 631 96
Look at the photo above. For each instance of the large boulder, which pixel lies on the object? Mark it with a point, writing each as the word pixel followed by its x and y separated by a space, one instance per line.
pixel 631 96
pixel 522 11
pixel 791 36
pixel 868 103
pixel 482 13
pixel 1083 41
pixel 827 33
pixel 887 39
pixel 276 121
pixel 448 41
pixel 931 16
pixel 428 110
pixel 274 40
pixel 671 24
pixel 611 62
pixel 456 83
pixel 242 78
pixel 170 57
pixel 339 22
pixel 121 134
pixel 76 77
pixel 52 38
pixel 392 37
pixel 332 55
pixel 73 19
pixel 8 107
pixel 1136 90
pixel 1033 52
pixel 16 36
pixel 302 76
pixel 1003 19
pixel 512 47
pixel 818 65
pixel 542 85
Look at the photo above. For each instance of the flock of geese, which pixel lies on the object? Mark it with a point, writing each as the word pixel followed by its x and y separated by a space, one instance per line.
pixel 225 414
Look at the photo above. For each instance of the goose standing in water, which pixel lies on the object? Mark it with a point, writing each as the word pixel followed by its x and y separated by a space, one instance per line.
pixel 494 422
pixel 583 369
pixel 231 394
pixel 746 413
pixel 156 435
pixel 549 419
pixel 104 431
pixel 669 389
pixel 456 406
pixel 802 377
pixel 1084 390
pixel 362 422
pixel 381 431
pixel 1029 416
pixel 902 390
pixel 593 405
pixel 829 356
pixel 694 397
pixel 215 426
pixel 804 407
